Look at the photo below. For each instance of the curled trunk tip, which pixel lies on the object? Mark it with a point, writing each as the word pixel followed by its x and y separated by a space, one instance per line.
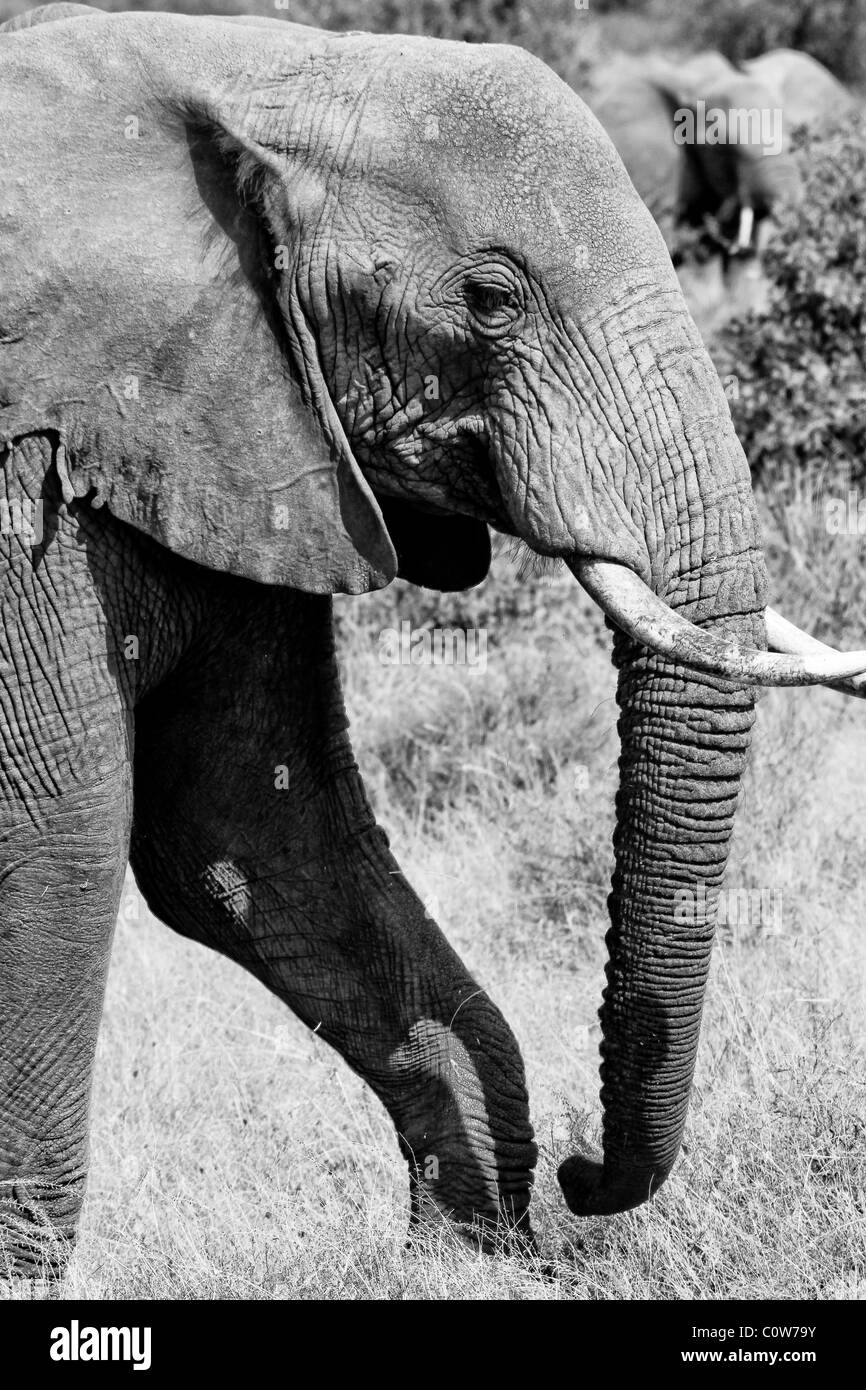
pixel 590 1190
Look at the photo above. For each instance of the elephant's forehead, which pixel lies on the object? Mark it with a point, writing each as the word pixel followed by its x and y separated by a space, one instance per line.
pixel 491 104
pixel 491 136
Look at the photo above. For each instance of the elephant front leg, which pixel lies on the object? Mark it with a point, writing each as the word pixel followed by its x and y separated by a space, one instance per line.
pixel 59 895
pixel 347 944
pixel 252 833
pixel 374 973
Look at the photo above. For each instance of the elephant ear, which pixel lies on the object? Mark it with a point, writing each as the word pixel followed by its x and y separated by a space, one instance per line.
pixel 437 551
pixel 140 292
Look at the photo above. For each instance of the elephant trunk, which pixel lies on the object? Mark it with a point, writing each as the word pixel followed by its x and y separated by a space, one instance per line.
pixel 684 747
pixel 685 730
pixel 675 563
pixel 685 738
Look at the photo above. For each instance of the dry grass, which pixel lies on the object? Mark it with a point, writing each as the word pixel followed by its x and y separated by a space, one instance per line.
pixel 235 1156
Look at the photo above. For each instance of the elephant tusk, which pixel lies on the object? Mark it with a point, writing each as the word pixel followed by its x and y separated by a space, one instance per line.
pixel 746 228
pixel 785 637
pixel 646 618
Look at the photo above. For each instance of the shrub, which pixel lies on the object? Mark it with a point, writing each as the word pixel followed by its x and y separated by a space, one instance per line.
pixel 801 363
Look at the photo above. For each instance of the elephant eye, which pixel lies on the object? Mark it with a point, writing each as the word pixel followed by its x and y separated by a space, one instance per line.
pixel 492 304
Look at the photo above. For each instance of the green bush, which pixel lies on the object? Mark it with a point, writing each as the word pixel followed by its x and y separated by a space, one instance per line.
pixel 801 363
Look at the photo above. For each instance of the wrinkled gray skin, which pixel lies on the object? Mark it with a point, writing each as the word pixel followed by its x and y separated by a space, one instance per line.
pixel 215 346
pixel 637 101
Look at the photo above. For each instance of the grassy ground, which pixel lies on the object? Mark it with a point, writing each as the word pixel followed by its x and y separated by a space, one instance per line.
pixel 235 1156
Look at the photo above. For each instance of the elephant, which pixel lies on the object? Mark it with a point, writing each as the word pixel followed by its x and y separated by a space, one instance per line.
pixel 287 314
pixel 705 143
pixel 807 93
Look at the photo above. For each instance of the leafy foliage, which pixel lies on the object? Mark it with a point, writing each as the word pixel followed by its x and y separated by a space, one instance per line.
pixel 801 364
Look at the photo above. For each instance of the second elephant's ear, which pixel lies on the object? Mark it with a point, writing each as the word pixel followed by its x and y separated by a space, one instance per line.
pixel 139 293
pixel 436 551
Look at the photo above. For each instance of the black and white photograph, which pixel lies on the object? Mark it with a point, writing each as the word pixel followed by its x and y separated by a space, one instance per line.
pixel 432 661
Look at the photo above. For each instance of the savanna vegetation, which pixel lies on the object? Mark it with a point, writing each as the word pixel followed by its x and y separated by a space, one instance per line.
pixel 235 1156
pixel 801 362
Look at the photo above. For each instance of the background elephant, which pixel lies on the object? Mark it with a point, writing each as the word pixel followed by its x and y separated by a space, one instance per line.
pixel 807 93
pixel 727 185
pixel 636 113
pixel 262 342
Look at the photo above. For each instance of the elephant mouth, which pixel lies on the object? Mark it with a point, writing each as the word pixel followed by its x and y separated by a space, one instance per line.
pixel 794 657
pixel 461 453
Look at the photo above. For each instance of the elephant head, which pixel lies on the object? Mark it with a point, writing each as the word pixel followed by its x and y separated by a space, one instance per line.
pixel 312 308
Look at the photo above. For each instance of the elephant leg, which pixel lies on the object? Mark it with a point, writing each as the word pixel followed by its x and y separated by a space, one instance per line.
pixel 59 898
pixel 65 813
pixel 262 845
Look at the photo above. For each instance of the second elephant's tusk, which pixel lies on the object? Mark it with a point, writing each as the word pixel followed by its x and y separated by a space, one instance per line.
pixel 640 613
pixel 785 637
pixel 747 223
